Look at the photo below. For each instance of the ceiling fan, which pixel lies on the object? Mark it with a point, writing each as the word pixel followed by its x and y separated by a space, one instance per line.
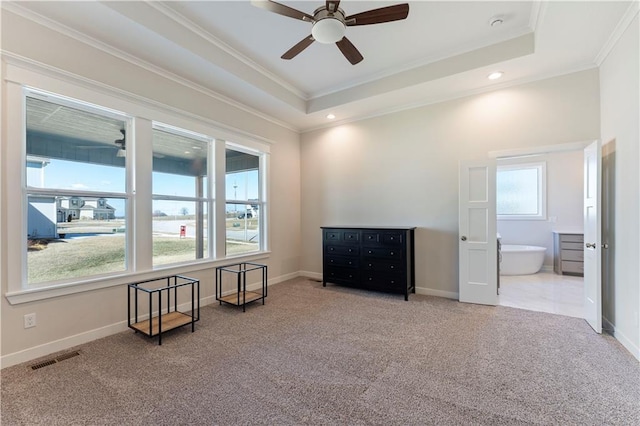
pixel 120 145
pixel 329 24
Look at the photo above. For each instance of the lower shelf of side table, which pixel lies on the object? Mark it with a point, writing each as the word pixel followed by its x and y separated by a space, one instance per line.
pixel 235 299
pixel 169 322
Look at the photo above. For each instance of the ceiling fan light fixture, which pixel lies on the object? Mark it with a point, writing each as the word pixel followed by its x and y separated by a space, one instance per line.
pixel 328 30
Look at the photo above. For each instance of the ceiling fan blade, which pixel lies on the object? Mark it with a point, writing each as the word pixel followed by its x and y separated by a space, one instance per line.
pixel 349 51
pixel 332 5
pixel 281 9
pixel 379 16
pixel 295 50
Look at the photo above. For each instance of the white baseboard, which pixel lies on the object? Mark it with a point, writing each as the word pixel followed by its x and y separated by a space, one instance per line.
pixel 309 274
pixel 61 344
pixel 620 337
pixel 439 293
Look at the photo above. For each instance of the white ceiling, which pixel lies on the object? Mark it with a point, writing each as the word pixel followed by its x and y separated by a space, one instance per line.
pixel 443 50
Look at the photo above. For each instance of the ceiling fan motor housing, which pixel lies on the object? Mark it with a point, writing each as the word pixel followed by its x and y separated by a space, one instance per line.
pixel 329 27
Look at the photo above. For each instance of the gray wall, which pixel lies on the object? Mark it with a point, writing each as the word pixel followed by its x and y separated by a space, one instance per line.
pixel 620 111
pixel 402 169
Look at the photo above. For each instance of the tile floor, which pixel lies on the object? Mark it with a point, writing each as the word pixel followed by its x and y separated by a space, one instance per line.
pixel 543 292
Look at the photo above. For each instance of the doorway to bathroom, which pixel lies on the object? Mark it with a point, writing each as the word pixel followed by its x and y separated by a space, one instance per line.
pixel 539 204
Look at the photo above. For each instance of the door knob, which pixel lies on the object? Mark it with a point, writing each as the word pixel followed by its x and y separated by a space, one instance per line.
pixel 463 238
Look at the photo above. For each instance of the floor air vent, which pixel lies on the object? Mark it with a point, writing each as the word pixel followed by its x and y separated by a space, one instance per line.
pixel 55 360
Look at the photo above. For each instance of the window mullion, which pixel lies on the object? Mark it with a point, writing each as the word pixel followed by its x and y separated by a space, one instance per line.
pixel 141 208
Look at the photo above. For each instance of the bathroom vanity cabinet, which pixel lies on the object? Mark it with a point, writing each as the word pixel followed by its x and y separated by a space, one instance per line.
pixel 568 253
pixel 372 258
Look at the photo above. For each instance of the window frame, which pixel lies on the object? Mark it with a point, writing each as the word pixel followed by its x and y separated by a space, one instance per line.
pixel 262 197
pixel 208 197
pixel 541 167
pixel 74 195
pixel 20 76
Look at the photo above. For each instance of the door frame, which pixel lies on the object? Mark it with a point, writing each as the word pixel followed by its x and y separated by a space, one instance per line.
pixel 545 149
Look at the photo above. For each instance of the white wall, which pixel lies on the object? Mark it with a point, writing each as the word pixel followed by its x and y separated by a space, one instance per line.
pixel 620 112
pixel 402 169
pixel 564 204
pixel 73 319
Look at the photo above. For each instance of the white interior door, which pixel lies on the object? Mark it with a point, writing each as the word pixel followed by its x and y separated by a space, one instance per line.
pixel 478 267
pixel 592 236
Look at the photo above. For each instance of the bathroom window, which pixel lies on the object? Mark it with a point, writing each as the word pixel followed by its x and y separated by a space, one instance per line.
pixel 521 191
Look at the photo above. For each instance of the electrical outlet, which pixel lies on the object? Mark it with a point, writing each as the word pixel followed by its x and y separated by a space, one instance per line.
pixel 30 320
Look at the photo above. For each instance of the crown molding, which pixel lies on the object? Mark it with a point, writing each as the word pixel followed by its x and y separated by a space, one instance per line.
pixel 623 24
pixel 106 48
pixel 201 32
pixel 538 10
pixel 460 95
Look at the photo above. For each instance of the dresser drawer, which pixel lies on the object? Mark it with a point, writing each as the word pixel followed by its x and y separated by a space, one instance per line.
pixel 382 266
pixel 574 255
pixel 571 267
pixel 571 246
pixel 346 262
pixel 342 250
pixel 341 275
pixel 572 238
pixel 387 253
pixel 384 282
pixel 382 238
pixel 341 236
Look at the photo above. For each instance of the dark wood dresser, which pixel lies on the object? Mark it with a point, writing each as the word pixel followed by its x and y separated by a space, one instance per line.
pixel 371 258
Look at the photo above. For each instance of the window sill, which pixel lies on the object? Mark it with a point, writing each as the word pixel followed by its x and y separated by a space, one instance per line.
pixel 48 292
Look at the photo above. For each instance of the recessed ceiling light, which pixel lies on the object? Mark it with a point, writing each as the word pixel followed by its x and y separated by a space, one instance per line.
pixel 331 116
pixel 187 152
pixel 495 75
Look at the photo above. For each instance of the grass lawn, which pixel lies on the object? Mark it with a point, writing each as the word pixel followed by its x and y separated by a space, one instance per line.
pixel 101 254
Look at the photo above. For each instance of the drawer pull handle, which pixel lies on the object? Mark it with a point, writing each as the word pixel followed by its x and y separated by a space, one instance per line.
pixel 369 265
pixel 370 252
pixel 391 266
pixel 350 263
pixel 589 245
pixel 370 279
pixel 391 253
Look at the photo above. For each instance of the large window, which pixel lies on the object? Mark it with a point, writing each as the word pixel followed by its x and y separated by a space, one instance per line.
pixel 107 194
pixel 75 190
pixel 521 191
pixel 181 197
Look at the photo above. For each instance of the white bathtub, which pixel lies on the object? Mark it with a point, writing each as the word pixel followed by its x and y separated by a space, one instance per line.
pixel 520 259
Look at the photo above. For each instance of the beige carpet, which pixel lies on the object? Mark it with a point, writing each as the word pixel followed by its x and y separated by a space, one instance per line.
pixel 333 355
